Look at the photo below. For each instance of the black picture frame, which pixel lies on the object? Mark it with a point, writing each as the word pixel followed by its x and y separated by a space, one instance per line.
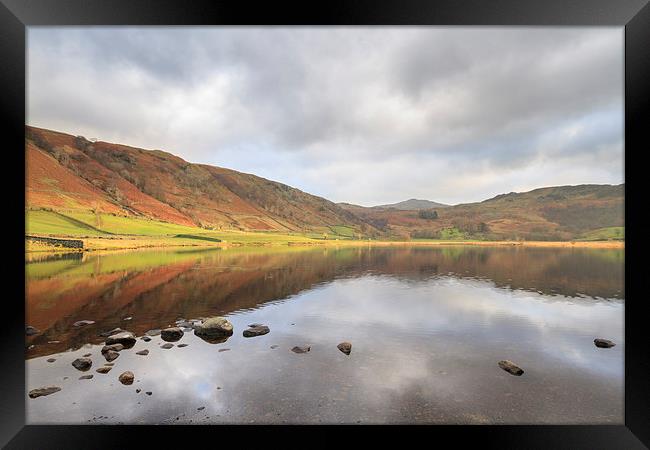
pixel 634 15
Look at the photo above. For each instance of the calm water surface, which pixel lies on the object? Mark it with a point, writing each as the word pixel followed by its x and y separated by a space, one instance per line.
pixel 427 327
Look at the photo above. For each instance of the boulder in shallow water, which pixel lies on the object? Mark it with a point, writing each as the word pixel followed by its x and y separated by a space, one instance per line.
pixel 172 334
pixel 126 338
pixel 126 377
pixel 603 343
pixel 40 392
pixel 257 330
pixel 82 364
pixel 214 327
pixel 345 347
pixel 111 355
pixel 301 349
pixel 511 367
pixel 51 360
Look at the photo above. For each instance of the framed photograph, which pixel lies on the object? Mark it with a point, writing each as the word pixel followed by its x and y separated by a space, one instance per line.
pixel 411 216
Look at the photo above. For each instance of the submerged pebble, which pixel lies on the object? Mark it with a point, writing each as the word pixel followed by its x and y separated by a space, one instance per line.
pixel 303 349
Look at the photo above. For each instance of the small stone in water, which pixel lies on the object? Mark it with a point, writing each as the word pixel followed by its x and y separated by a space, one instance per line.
pixel 223 350
pixel 200 408
pixel 144 352
pixel 104 369
pixel 274 346
pixel 137 391
pixel 82 364
pixel 43 391
pixel 148 392
pixel 511 367
pixel 182 345
pixel 345 347
pixel 111 332
pixel 603 343
pixel 86 377
pixel 167 346
pixel 87 355
pixel 126 377
pixel 51 360
pixel 146 338
pixel 111 355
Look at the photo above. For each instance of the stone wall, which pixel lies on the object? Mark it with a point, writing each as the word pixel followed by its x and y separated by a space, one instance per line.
pixel 68 243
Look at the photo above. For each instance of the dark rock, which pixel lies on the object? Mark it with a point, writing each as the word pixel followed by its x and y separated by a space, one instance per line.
pixel 258 330
pixel 214 327
pixel 200 408
pixel 345 347
pixel 255 325
pixel 86 377
pixel 111 355
pixel 274 346
pixel 126 377
pixel 144 352
pixel 172 334
pixel 167 346
pixel 224 350
pixel 114 347
pixel 110 364
pixel 511 367
pixel 148 392
pixel 87 355
pixel 51 360
pixel 126 338
pixel 603 343
pixel 303 349
pixel 146 338
pixel 155 332
pixel 82 364
pixel 182 345
pixel 104 369
pixel 137 391
pixel 30 330
pixel 81 323
pixel 40 392
pixel 111 332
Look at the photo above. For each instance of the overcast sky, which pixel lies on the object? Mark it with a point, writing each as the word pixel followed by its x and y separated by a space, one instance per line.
pixel 362 115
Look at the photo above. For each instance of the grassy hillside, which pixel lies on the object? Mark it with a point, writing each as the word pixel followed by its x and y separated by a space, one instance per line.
pixel 68 173
pixel 554 213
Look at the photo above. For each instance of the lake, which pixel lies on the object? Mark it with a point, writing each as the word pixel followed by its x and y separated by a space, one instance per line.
pixel 427 325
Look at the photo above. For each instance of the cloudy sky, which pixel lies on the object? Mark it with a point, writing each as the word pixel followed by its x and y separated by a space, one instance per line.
pixel 362 115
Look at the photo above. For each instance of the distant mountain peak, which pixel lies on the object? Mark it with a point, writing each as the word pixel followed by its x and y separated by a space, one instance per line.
pixel 413 204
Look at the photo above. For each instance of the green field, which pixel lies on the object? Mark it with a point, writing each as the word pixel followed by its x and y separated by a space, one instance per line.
pixel 604 234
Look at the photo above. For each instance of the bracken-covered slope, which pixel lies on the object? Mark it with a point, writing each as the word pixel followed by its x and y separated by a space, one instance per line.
pixel 553 213
pixel 66 172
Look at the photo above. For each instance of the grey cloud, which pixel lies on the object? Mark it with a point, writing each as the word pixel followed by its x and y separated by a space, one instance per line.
pixel 349 113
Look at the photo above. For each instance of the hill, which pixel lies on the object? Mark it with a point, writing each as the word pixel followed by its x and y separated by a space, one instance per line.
pixel 72 175
pixel 413 204
pixel 552 213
